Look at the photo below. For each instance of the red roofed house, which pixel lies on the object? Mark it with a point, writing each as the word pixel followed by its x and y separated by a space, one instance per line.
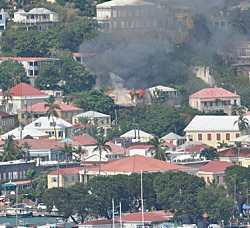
pixel 104 223
pixel 135 164
pixel 24 95
pixel 31 64
pixel 212 99
pixel 67 177
pixel 236 155
pixel 33 112
pixel 214 170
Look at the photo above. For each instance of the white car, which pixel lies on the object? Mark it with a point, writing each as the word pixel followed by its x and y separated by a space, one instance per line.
pixel 54 209
pixel 41 206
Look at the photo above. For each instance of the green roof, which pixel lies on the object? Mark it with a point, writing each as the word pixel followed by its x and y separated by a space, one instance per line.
pixel 9 184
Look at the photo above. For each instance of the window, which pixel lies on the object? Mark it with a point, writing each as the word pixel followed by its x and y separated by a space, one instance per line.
pixel 218 137
pixel 224 179
pixel 209 137
pixel 35 116
pixel 15 175
pixel 199 136
pixel 114 13
pixel 1 28
pixel 227 136
pixel 51 124
pixel 10 175
pixel 208 179
pixel 53 179
pixel 37 124
pixel 60 133
pixel 218 179
pixel 23 116
pixel 73 178
pixel 1 17
pixel 65 179
pixel 237 135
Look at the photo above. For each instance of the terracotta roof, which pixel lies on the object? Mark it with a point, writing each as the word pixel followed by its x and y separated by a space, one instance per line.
pixel 139 147
pixel 195 148
pixel 116 149
pixel 21 182
pixel 235 152
pixel 66 171
pixel 151 216
pixel 84 54
pixel 40 143
pixel 213 93
pixel 25 90
pixel 83 140
pixel 138 163
pixel 39 107
pixel 215 166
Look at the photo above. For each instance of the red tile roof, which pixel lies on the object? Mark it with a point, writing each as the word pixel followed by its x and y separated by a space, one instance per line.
pixel 151 216
pixel 84 54
pixel 66 171
pixel 25 90
pixel 235 152
pixel 85 141
pixel 195 148
pixel 138 163
pixel 213 93
pixel 116 149
pixel 21 182
pixel 40 143
pixel 143 147
pixel 215 166
pixel 39 107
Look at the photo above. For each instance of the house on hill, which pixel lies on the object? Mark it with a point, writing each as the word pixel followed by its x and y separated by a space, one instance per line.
pixel 174 139
pixel 137 135
pixel 23 95
pixel 33 112
pixel 213 129
pixel 214 99
pixel 214 171
pixel 134 164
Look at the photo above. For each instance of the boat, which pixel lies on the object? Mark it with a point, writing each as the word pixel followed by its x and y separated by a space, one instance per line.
pixel 23 224
pixel 6 225
pixel 18 212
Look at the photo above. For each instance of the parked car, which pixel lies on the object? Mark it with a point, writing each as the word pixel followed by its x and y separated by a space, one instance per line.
pixel 24 205
pixel 41 206
pixel 54 209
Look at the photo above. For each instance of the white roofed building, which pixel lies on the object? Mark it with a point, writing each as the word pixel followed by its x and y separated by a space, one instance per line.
pixel 213 129
pixel 137 135
pixel 126 15
pixel 174 138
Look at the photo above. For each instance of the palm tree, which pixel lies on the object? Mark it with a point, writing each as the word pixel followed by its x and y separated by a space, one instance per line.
pixel 52 110
pixel 31 173
pixel 209 153
pixel 157 148
pixel 101 146
pixel 11 150
pixel 7 96
pixel 15 80
pixel 81 130
pixel 79 151
pixel 67 151
pixel 223 144
pixel 243 124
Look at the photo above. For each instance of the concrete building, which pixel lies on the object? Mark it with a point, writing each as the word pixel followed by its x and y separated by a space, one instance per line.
pixel 7 122
pixel 32 65
pixel 214 99
pixel 213 129
pixel 126 15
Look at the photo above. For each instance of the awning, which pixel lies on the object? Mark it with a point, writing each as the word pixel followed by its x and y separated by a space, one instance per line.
pixel 9 184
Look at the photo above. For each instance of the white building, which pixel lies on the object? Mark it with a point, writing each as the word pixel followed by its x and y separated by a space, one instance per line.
pixel 40 17
pixel 126 15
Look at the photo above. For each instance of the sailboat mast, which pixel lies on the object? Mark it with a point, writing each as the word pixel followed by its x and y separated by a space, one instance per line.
pixel 142 204
pixel 113 212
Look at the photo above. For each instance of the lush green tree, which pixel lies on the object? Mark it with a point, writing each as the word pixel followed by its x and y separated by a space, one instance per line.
pixel 7 97
pixel 31 174
pixel 100 146
pixel 11 150
pixel 26 150
pixel 243 124
pixel 157 149
pixel 52 110
pixel 78 152
pixel 95 100
pixel 7 75
pixel 235 178
pixel 48 77
pixel 178 191
pixel 209 153
pixel 216 203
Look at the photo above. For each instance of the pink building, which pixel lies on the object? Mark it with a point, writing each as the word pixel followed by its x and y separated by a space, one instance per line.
pixel 214 99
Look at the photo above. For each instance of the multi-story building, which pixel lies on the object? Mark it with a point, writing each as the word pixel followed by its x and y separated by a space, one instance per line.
pixel 32 65
pixel 213 129
pixel 33 112
pixel 3 21
pixel 40 17
pixel 214 99
pixel 129 14
pixel 24 95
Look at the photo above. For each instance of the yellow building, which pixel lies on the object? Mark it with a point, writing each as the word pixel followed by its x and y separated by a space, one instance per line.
pixel 236 155
pixel 214 171
pixel 66 176
pixel 213 129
